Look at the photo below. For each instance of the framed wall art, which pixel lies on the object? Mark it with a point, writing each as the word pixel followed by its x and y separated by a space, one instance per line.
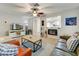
pixel 71 21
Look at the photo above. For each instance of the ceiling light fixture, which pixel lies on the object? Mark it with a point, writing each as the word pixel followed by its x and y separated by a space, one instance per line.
pixel 35 9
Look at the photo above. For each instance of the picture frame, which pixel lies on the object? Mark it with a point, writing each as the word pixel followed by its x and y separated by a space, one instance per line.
pixel 71 21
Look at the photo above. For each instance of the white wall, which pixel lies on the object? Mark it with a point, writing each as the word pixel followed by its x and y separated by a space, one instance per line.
pixel 4 27
pixel 36 26
pixel 19 19
pixel 10 18
pixel 13 18
pixel 68 30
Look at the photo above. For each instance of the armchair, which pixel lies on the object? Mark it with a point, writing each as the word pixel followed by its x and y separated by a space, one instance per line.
pixel 21 51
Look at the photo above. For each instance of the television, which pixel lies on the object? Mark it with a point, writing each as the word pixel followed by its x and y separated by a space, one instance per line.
pixel 16 27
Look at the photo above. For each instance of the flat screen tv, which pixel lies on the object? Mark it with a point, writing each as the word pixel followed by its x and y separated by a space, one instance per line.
pixel 16 27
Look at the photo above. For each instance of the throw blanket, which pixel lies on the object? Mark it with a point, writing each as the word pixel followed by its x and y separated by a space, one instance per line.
pixel 8 49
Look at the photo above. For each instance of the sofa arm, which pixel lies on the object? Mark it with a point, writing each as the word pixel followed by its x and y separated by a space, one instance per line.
pixel 24 52
pixel 28 52
pixel 15 42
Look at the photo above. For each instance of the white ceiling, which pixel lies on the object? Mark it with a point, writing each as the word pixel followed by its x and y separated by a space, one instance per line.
pixel 25 8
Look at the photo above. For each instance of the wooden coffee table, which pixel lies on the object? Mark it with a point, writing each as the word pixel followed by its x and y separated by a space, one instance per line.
pixel 33 42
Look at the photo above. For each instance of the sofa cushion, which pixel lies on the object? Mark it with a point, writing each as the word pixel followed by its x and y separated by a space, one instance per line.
pixel 72 43
pixel 62 46
pixel 59 52
pixel 78 37
pixel 8 49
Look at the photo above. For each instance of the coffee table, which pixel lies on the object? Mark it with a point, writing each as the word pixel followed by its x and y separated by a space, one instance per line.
pixel 33 42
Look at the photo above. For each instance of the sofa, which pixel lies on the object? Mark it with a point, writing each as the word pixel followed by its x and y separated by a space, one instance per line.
pixel 61 49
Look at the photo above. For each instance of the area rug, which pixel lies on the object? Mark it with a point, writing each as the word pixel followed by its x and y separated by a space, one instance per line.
pixel 46 50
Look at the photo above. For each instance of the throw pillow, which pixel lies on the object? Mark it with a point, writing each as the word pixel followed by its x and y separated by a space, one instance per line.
pixel 78 37
pixel 8 49
pixel 72 43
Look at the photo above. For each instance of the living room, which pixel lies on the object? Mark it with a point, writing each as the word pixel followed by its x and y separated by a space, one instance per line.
pixel 44 30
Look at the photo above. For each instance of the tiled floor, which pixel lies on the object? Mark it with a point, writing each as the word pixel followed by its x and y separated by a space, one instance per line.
pixel 50 39
pixel 47 47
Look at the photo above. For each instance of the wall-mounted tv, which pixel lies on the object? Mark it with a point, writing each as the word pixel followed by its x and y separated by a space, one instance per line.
pixel 71 21
pixel 16 27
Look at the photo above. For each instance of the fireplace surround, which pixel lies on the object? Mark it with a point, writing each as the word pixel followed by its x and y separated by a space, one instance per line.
pixel 52 31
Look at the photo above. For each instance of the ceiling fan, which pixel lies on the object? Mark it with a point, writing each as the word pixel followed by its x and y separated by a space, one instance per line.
pixel 35 10
pixel 31 8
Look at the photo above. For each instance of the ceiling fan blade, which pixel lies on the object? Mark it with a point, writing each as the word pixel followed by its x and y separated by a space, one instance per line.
pixel 23 7
pixel 28 13
pixel 34 4
pixel 16 5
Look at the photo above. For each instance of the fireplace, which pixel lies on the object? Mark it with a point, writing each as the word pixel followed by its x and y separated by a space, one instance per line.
pixel 52 31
